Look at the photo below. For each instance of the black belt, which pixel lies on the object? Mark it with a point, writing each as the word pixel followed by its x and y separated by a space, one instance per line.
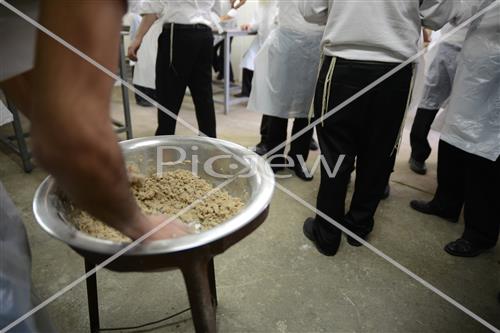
pixel 366 62
pixel 197 26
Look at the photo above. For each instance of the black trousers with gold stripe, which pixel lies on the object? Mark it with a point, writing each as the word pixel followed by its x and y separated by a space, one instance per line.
pixel 366 131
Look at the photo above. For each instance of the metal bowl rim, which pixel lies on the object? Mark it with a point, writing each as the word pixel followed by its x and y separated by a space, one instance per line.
pixel 82 241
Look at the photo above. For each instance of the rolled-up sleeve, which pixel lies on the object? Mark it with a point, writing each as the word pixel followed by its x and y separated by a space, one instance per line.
pixel 314 11
pixel 152 7
pixel 436 13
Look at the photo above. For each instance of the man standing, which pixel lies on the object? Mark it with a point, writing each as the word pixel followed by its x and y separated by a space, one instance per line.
pixel 363 41
pixel 437 89
pixel 262 23
pixel 67 100
pixel 283 88
pixel 184 59
pixel 469 150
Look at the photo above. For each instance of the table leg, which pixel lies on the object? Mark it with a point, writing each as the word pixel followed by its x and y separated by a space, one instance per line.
pixel 198 286
pixel 92 300
pixel 125 96
pixel 227 72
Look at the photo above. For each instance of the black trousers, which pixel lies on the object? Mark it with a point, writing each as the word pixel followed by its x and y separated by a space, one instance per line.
pixel 218 60
pixel 450 193
pixel 420 147
pixel 189 66
pixel 264 129
pixel 246 82
pixel 151 93
pixel 277 133
pixel 365 131
pixel 472 182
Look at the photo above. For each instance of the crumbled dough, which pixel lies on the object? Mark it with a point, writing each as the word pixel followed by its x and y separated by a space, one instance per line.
pixel 167 195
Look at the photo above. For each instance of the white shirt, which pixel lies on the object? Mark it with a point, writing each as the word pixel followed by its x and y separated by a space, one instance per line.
pixel 263 22
pixel 224 8
pixel 386 31
pixel 182 11
pixel 289 17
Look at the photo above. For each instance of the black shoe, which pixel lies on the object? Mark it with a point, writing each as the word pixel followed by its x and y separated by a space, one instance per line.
pixel 429 209
pixel 277 169
pixel 387 192
pixel 417 167
pixel 310 232
pixel 313 145
pixel 302 172
pixel 261 149
pixel 347 223
pixel 463 248
pixel 354 242
pixel 241 95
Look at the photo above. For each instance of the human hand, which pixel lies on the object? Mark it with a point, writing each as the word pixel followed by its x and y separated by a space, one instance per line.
pixel 427 37
pixel 225 18
pixel 170 230
pixel 173 229
pixel 132 49
pixel 246 27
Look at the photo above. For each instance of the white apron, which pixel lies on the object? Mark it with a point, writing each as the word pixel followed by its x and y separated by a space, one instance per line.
pixel 264 21
pixel 286 70
pixel 439 77
pixel 145 67
pixel 442 67
pixel 473 120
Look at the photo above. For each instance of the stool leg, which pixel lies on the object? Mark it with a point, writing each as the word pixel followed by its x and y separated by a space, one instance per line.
pixel 199 291
pixel 93 302
pixel 21 141
pixel 212 281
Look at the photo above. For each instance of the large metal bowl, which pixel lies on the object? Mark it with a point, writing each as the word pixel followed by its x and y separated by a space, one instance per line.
pixel 255 190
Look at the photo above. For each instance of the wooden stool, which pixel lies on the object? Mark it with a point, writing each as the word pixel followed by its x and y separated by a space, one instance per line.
pixel 197 266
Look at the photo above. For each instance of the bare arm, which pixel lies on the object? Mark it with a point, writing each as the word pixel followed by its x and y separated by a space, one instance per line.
pixel 427 36
pixel 146 23
pixel 71 128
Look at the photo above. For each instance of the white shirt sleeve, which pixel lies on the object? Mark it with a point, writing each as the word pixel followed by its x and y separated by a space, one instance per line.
pixel 436 13
pixel 314 11
pixel 223 7
pixel 218 7
pixel 152 7
pixel 232 13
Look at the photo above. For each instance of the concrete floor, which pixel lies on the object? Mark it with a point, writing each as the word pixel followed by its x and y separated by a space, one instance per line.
pixel 275 280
